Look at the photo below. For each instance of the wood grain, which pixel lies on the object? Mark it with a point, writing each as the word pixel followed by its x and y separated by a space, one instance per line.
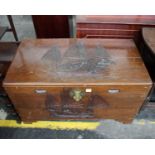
pixel 123 19
pixel 115 74
pixel 51 26
pixel 110 26
pixel 126 65
pixel 7 53
pixel 149 38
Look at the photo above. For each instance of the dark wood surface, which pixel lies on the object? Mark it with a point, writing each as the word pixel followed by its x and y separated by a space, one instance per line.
pixel 7 53
pixel 46 76
pixel 8 50
pixel 149 38
pixel 2 31
pixel 51 26
pixel 146 46
pixel 117 19
pixel 119 26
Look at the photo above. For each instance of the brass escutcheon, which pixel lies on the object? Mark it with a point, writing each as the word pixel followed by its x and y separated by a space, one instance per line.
pixel 77 94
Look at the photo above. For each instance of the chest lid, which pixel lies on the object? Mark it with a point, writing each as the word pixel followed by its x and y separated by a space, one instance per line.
pixel 77 62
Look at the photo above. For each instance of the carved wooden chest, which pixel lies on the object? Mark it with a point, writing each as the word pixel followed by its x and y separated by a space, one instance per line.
pixel 72 79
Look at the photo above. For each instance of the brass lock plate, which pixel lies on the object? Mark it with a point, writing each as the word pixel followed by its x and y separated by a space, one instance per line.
pixel 77 94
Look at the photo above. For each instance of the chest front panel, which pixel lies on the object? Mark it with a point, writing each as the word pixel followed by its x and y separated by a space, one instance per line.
pixel 78 102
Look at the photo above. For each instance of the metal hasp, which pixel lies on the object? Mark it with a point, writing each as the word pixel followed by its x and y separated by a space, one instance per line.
pixel 77 94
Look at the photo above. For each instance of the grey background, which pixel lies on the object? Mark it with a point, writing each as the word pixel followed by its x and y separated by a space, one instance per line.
pixel 23 25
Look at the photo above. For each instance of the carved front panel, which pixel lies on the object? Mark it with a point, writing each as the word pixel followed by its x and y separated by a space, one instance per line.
pixel 41 103
pixel 71 104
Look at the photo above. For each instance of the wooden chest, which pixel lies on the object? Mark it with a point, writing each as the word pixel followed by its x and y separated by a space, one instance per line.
pixel 72 79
